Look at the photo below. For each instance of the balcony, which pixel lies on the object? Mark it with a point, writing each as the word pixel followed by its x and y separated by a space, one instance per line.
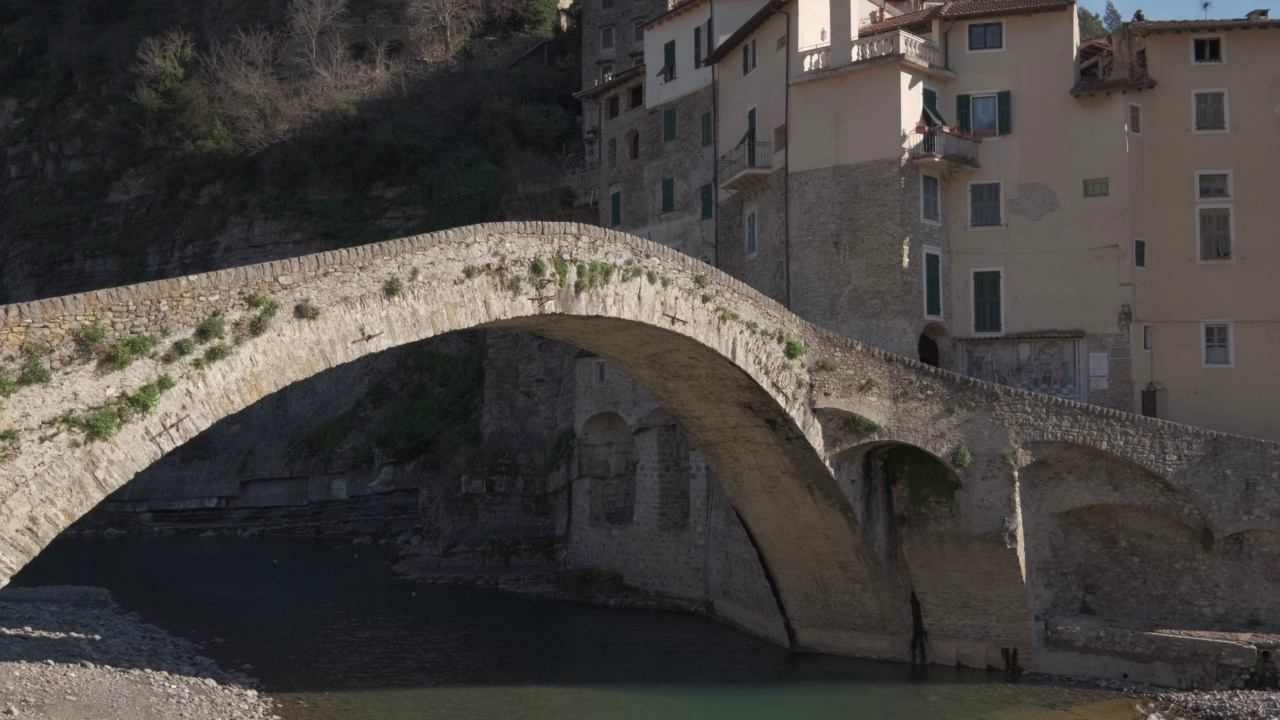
pixel 746 166
pixel 942 147
pixel 898 44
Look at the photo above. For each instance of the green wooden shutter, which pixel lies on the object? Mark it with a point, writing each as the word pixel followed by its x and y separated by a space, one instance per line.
pixel 668 124
pixel 697 47
pixel 706 129
pixel 708 202
pixel 711 39
pixel 986 301
pixel 746 58
pixel 668 195
pixel 932 284
pixel 1139 253
pixel 962 112
pixel 669 53
pixel 615 208
pixel 1004 112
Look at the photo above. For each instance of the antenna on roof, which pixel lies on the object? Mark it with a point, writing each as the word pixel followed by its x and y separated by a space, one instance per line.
pixel 1205 7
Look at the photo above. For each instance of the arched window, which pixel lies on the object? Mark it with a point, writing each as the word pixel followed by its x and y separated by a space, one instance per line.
pixel 613 153
pixel 633 145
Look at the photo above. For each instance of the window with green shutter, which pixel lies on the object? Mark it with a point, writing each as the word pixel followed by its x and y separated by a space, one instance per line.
pixel 931 115
pixel 668 125
pixel 697 47
pixel 986 301
pixel 1139 252
pixel 1211 110
pixel 963 103
pixel 615 208
pixel 1215 233
pixel 708 202
pixel 668 195
pixel 706 129
pixel 668 69
pixel 984 204
pixel 932 283
pixel 1004 110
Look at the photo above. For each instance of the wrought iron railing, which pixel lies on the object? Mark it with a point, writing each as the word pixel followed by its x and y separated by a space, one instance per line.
pixel 746 156
pixel 943 144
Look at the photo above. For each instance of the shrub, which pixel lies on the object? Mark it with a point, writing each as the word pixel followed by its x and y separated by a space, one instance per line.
pixel 707 297
pixel 101 424
pixel 125 350
pixel 794 349
pixel 651 276
pixel 515 285
pixel 89 338
pixel 305 310
pixel 257 300
pixel 856 423
pixel 7 384
pixel 562 272
pixel 34 372
pixel 471 272
pixel 538 268
pixel 166 382
pixel 179 349
pixel 961 458
pixel 214 327
pixel 393 286
pixel 632 272
pixel 701 280
pixel 594 275
pixel 217 352
pixel 825 365
pixel 259 323
pixel 869 384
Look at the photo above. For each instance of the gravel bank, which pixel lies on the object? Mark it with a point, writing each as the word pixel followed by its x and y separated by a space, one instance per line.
pixel 70 653
pixel 1166 704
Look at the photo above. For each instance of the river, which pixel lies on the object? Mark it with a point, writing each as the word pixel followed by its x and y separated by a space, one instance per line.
pixel 333 637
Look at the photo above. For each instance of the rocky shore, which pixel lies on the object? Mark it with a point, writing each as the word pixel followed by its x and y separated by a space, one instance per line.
pixel 1166 704
pixel 71 653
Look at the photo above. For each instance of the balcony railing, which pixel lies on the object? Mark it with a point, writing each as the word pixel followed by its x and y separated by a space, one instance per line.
pixel 898 42
pixel 939 145
pixel 817 58
pixel 745 157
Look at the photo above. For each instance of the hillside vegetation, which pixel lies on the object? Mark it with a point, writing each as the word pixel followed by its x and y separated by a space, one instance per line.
pixel 149 138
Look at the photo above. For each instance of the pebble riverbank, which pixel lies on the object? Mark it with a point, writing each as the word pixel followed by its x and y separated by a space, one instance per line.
pixel 68 653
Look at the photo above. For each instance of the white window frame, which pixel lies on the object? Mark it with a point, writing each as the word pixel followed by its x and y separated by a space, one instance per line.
pixel 942 297
pixel 613 38
pixel 750 48
pixel 1148 337
pixel 750 225
pixel 1235 245
pixel 1231 344
pixel 1226 111
pixel 973 305
pixel 1004 36
pixel 1097 180
pixel 994 133
pixel 1231 186
pixel 599 373
pixel 969 206
pixel 923 218
pixel 606 71
pixel 1129 120
pixel 1222 50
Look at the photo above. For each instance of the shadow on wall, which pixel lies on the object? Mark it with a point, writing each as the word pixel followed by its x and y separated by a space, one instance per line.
pixel 607 460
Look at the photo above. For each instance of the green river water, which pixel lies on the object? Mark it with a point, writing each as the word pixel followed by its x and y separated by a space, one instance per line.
pixel 333 637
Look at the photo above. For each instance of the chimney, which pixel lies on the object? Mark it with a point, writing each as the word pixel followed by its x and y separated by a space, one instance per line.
pixel 1264 14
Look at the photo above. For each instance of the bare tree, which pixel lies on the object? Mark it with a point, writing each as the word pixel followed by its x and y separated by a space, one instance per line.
pixel 452 19
pixel 311 31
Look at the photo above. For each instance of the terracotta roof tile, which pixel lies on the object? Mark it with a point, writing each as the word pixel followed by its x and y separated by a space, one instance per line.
pixel 1163 26
pixel 961 10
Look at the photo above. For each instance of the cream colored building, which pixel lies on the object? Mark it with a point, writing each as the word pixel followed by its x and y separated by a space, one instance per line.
pixel 961 182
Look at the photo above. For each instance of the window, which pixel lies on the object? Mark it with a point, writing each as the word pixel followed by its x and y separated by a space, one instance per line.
pixel 706 129
pixel 929 207
pixel 1206 51
pixel 987 314
pixel 986 36
pixel 637 96
pixel 668 69
pixel 599 371
pixel 615 208
pixel 606 72
pixel 614 107
pixel 1213 185
pixel 932 282
pixel 1148 337
pixel 1139 252
pixel 986 114
pixel 708 201
pixel 638 35
pixel 668 195
pixel 1097 187
pixel 984 204
pixel 749 232
pixel 1217 344
pixel 748 56
pixel 1210 110
pixel 606 37
pixel 1214 225
pixel 633 142
pixel 697 47
pixel 1135 119
pixel 668 125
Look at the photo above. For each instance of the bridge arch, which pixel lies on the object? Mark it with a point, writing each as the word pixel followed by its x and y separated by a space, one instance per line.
pixel 718 356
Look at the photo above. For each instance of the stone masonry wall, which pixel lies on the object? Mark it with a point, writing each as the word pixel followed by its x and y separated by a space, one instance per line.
pixel 766 269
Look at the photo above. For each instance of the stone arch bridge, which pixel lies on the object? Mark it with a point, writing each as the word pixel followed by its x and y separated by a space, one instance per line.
pixel 1024 507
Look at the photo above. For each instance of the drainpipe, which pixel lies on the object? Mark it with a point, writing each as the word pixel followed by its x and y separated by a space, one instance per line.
pixel 786 171
pixel 946 46
pixel 715 143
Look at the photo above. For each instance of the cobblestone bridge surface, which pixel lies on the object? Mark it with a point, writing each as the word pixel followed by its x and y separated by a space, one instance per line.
pixel 1054 509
